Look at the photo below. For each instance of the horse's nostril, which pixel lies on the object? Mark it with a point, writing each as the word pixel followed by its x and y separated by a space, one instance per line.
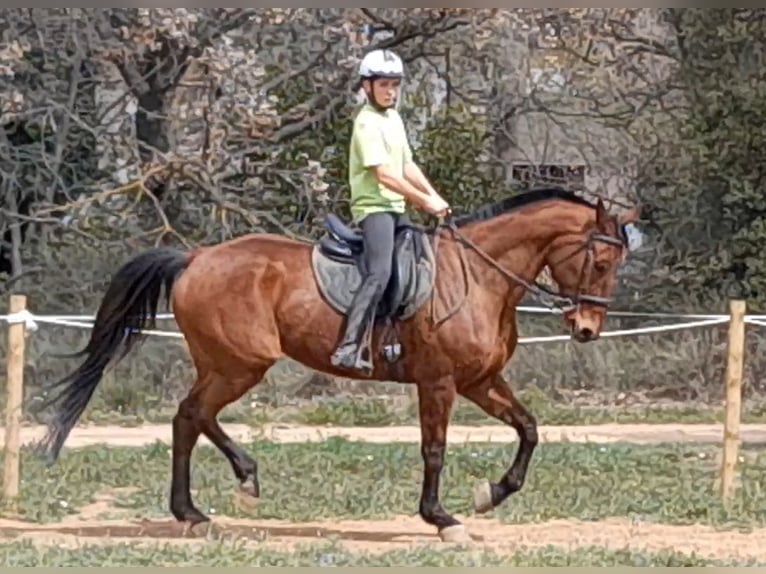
pixel 586 334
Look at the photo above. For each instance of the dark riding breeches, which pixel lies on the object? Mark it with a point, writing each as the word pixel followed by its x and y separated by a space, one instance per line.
pixel 378 230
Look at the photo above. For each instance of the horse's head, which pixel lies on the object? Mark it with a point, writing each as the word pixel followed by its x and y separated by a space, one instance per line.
pixel 584 265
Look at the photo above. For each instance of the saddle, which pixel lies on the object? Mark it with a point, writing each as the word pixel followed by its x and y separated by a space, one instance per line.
pixel 338 266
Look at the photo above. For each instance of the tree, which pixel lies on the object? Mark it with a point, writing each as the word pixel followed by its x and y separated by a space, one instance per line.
pixel 709 192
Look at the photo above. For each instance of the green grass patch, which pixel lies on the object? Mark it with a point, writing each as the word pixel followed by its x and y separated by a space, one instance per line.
pixel 369 411
pixel 331 554
pixel 342 479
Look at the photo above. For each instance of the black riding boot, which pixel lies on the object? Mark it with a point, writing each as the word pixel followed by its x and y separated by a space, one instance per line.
pixel 360 317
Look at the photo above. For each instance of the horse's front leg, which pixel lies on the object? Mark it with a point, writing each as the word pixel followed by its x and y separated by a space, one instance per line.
pixel 497 400
pixel 435 407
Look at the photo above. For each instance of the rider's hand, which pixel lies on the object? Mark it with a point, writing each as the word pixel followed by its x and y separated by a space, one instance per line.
pixel 436 206
pixel 444 207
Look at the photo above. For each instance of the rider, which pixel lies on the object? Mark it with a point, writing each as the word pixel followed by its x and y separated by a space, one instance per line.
pixel 382 177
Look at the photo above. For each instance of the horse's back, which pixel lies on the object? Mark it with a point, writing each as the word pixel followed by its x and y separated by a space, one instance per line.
pixel 268 244
pixel 239 266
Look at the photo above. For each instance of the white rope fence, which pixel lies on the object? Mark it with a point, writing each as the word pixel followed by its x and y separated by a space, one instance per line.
pixel 31 322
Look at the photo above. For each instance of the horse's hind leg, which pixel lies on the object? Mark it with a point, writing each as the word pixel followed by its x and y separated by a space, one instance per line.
pixel 185 435
pixel 244 466
pixel 497 400
pixel 197 414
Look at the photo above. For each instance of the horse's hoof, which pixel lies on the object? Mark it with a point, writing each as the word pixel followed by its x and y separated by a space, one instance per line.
pixel 188 515
pixel 246 498
pixel 482 497
pixel 250 489
pixel 198 528
pixel 455 533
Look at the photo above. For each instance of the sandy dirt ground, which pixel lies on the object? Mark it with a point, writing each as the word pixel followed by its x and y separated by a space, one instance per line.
pixel 286 433
pixel 90 527
pixel 396 533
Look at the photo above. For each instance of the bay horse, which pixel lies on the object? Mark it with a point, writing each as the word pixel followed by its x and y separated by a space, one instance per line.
pixel 247 302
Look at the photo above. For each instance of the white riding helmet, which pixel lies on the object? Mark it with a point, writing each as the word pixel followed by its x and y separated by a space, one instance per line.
pixel 382 64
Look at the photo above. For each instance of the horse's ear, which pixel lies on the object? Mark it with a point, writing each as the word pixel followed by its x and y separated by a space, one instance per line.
pixel 602 215
pixel 630 216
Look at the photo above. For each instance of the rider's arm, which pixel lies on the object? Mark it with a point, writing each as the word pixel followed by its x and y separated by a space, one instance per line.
pixel 386 176
pixel 416 177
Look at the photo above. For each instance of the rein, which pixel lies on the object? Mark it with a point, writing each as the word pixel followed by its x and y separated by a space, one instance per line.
pixel 543 294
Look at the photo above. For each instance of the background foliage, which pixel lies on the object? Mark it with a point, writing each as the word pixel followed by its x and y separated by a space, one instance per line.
pixel 125 128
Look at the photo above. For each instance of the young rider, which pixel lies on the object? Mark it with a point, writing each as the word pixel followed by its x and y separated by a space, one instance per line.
pixel 383 177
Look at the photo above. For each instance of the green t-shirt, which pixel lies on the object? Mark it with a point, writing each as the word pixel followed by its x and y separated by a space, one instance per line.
pixel 377 138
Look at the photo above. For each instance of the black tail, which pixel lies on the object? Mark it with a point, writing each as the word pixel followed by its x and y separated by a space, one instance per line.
pixel 130 304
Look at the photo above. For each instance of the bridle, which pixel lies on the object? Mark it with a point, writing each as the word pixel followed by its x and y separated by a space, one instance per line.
pixel 546 296
pixel 575 301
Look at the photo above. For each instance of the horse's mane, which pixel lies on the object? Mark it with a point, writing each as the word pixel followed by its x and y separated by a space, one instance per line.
pixel 518 201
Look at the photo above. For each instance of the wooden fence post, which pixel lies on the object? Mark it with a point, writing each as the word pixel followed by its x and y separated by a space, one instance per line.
pixel 14 392
pixel 734 374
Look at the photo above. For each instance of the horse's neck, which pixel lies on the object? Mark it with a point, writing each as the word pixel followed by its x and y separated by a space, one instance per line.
pixel 517 243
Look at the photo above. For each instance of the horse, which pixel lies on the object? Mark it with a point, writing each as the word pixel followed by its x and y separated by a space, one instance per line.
pixel 243 304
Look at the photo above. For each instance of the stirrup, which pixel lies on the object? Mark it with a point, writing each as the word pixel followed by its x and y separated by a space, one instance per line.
pixel 355 355
pixel 351 360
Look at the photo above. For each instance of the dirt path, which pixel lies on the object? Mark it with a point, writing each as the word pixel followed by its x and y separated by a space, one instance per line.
pixel 406 531
pixel 285 433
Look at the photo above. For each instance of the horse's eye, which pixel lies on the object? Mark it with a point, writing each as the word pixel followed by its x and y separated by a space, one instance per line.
pixel 601 266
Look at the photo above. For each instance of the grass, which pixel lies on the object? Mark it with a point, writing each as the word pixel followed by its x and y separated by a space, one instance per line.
pixel 330 554
pixel 342 479
pixel 376 412
pixel 369 411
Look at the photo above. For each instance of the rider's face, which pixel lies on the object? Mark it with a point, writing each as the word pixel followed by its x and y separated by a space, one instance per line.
pixel 385 91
